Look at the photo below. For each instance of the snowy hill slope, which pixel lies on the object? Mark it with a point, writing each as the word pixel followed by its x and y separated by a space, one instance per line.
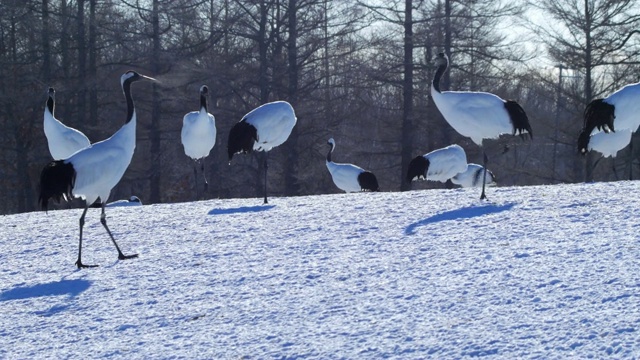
pixel 537 272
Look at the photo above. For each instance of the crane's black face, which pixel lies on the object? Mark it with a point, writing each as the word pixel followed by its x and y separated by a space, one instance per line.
pixel 441 60
pixel 204 90
pixel 52 91
pixel 132 76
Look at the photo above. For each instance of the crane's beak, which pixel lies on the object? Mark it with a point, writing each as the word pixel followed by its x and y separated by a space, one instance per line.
pixel 148 78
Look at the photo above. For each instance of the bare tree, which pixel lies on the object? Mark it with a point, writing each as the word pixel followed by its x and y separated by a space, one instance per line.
pixel 592 36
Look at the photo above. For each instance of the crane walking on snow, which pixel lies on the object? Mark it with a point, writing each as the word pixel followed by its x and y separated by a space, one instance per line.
pixel 92 172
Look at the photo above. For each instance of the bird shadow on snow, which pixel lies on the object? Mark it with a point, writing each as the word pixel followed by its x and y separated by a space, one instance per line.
pixel 463 213
pixel 242 209
pixel 72 288
pixel 56 288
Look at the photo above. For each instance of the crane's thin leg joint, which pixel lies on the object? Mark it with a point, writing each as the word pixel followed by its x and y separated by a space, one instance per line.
pixel 79 263
pixel 483 196
pixel 266 166
pixel 103 220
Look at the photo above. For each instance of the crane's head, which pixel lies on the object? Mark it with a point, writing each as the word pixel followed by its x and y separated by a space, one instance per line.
pixel 442 60
pixel 204 90
pixel 331 143
pixel 131 76
pixel 51 100
pixel 418 168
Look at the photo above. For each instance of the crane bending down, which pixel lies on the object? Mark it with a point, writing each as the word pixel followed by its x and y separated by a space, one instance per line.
pixel 478 115
pixel 472 177
pixel 618 112
pixel 349 177
pixel 92 172
pixel 438 165
pixel 262 129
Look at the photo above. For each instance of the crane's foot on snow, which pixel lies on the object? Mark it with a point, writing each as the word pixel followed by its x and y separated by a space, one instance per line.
pixel 125 257
pixel 80 265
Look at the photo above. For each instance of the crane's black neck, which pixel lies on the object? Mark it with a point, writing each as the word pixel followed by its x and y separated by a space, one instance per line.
pixel 331 146
pixel 438 75
pixel 126 88
pixel 50 104
pixel 203 102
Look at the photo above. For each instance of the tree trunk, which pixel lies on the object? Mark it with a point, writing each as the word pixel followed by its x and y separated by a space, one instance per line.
pixel 445 83
pixel 46 47
pixel 588 88
pixel 156 155
pixel 93 65
pixel 21 135
pixel 82 66
pixel 407 99
pixel 263 84
pixel 291 166
pixel 64 49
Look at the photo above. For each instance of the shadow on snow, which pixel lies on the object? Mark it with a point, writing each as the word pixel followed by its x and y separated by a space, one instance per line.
pixel 463 213
pixel 56 288
pixel 242 209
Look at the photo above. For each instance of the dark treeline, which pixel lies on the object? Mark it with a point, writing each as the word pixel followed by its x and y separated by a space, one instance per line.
pixel 357 71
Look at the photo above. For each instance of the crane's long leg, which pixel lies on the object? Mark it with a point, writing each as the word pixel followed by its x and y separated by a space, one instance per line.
pixel 484 175
pixel 266 166
pixel 79 263
pixel 195 179
pixel 204 175
pixel 103 220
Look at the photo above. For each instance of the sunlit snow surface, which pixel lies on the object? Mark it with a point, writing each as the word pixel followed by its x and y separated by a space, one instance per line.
pixel 549 272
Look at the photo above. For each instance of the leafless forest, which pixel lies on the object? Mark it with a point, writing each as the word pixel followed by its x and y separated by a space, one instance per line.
pixel 355 70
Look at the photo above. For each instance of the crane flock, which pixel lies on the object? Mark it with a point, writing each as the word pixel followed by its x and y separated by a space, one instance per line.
pixel 90 171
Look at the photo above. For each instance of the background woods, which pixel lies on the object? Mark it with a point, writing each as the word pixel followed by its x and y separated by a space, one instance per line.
pixel 358 71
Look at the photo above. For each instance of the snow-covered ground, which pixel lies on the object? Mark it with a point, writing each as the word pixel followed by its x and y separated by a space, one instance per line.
pixel 548 272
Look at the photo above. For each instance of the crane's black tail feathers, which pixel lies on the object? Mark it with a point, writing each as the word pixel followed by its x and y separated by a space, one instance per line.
pixel 241 138
pixel 417 168
pixel 368 181
pixel 519 119
pixel 598 114
pixel 56 182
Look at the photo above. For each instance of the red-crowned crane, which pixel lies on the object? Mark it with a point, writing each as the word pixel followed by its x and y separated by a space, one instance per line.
pixel 262 129
pixel 92 172
pixel 63 140
pixel 199 136
pixel 478 115
pixel 472 177
pixel 617 112
pixel 133 201
pixel 438 165
pixel 349 177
